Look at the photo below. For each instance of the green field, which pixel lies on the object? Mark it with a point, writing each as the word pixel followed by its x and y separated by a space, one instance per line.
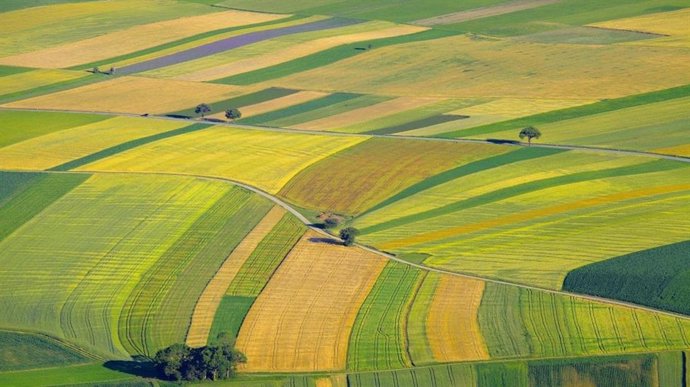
pixel 129 223
pixel 656 277
pixel 378 338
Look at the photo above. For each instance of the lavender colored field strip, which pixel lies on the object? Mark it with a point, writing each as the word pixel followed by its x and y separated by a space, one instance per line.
pixel 231 43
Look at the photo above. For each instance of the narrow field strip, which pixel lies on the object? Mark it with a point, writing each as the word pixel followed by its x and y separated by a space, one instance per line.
pixel 266 160
pixel 335 108
pixel 452 324
pixel 302 320
pixel 479 13
pixel 295 52
pixel 573 112
pixel 14 183
pixel 418 124
pixel 673 24
pixel 133 39
pixel 126 146
pixel 40 192
pixel 11 70
pixel 519 189
pixel 298 98
pixel 418 345
pixel 381 167
pixel 230 43
pixel 209 301
pixel 478 166
pixel 306 107
pixel 69 148
pixel 324 58
pixel 258 268
pixel 130 95
pixel 364 114
pixel 378 339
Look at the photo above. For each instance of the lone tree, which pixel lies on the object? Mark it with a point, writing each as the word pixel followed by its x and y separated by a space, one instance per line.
pixel 530 132
pixel 233 114
pixel 348 235
pixel 202 109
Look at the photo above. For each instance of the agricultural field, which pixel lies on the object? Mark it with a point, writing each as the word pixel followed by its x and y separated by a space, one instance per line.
pixel 372 218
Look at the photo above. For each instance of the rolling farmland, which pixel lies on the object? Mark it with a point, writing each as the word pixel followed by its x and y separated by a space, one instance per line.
pixel 132 220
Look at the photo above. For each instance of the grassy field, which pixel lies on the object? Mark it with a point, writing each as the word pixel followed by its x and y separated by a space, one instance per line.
pixel 467 67
pixel 376 169
pixel 656 277
pixel 378 339
pixel 109 269
pixel 17 126
pixel 16 83
pixel 519 322
pixel 306 311
pixel 26 350
pixel 88 374
pixel 477 218
pixel 41 27
pixel 264 159
pixel 672 25
pixel 54 149
pixel 131 95
pixel 122 42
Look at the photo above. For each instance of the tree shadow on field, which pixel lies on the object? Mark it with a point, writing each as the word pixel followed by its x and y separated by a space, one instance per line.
pixel 327 241
pixel 139 367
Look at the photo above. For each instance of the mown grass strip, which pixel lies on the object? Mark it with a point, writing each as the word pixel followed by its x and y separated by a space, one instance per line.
pixel 26 350
pixel 417 124
pixel 378 337
pixel 179 42
pixel 238 102
pixel 52 88
pixel 11 70
pixel 326 57
pixel 39 194
pixel 465 170
pixel 127 146
pixel 520 189
pixel 230 315
pixel 85 375
pixel 658 277
pixel 300 108
pixel 265 259
pixel 574 112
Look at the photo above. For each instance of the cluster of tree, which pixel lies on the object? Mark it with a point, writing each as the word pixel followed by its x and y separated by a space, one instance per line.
pixel 212 362
pixel 231 114
pixel 348 235
pixel 96 70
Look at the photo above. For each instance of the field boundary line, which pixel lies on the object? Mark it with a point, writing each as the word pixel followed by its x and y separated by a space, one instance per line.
pixel 384 254
pixel 583 148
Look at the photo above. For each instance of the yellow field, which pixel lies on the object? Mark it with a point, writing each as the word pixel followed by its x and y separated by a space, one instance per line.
pixel 519 107
pixel 533 214
pixel 676 24
pixel 207 305
pixel 59 147
pixel 132 95
pixel 452 326
pixel 302 319
pixel 332 381
pixel 296 51
pixel 366 113
pixel 680 150
pixel 134 39
pixel 494 68
pixel 31 79
pixel 276 103
pixel 264 159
